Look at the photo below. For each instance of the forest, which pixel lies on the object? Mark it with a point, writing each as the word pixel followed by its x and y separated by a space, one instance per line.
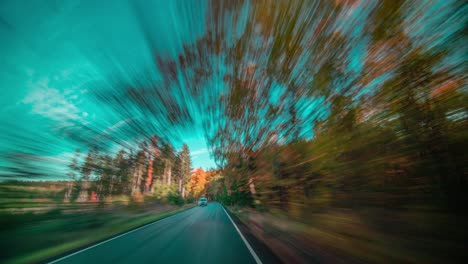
pixel 154 168
pixel 338 130
pixel 387 133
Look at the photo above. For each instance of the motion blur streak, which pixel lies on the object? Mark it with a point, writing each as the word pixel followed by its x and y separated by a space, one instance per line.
pixel 338 128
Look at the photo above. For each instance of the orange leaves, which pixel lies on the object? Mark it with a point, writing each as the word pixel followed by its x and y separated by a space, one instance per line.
pixel 445 87
pixel 197 182
pixel 93 198
pixel 149 178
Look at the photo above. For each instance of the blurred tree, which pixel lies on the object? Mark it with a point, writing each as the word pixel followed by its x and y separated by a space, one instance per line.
pixel 122 170
pixel 185 169
pixel 197 183
pixel 107 177
pixel 139 168
pixel 168 158
pixel 73 174
pixel 153 153
pixel 87 169
pixel 176 172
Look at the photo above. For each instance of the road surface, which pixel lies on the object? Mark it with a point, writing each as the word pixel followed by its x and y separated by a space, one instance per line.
pixel 199 235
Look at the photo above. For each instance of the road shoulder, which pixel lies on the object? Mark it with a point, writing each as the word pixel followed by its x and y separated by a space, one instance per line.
pixel 265 254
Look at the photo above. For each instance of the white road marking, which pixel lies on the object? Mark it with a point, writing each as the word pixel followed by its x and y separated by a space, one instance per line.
pixel 254 255
pixel 110 239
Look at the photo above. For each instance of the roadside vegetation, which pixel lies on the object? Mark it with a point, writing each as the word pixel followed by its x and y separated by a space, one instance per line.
pixel 36 237
pixel 377 172
pixel 103 197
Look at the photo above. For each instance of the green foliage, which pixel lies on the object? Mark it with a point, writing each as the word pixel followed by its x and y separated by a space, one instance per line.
pixel 161 190
pixel 190 199
pixel 175 199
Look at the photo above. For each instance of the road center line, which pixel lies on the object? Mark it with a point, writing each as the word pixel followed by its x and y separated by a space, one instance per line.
pixel 254 255
pixel 110 239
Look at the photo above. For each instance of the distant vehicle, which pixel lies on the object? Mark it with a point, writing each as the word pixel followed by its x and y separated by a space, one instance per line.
pixel 203 202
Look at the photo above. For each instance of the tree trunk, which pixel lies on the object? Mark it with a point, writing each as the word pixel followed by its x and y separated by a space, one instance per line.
pixel 111 187
pixel 68 194
pixel 100 188
pixel 137 178
pixel 83 196
pixel 252 186
pixel 155 182
pixel 132 191
pixel 169 175
pixel 149 178
pixel 164 178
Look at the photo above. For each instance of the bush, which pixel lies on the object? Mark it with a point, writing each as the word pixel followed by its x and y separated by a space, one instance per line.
pixel 190 199
pixel 175 199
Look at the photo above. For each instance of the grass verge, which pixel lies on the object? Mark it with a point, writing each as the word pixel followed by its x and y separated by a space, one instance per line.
pixel 94 235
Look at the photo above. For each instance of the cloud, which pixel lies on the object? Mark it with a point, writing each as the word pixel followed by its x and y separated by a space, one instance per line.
pixel 114 127
pixel 52 103
pixel 199 152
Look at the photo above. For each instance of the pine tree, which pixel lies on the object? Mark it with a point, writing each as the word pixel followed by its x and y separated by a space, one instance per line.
pixel 121 165
pixel 185 168
pixel 88 167
pixel 139 170
pixel 73 173
pixel 168 157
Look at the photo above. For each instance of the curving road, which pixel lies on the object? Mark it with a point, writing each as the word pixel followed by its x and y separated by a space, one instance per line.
pixel 199 235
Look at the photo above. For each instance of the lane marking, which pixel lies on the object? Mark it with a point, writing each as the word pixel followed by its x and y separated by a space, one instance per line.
pixel 254 255
pixel 110 239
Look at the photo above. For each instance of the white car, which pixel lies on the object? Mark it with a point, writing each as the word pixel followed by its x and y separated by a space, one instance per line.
pixel 203 202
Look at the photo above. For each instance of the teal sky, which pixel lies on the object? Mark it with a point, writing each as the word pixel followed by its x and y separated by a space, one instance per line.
pixel 66 64
pixel 51 51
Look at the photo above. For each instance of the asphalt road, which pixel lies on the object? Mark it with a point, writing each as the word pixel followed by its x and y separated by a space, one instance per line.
pixel 199 235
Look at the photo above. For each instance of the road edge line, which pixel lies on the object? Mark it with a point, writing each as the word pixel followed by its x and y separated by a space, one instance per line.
pixel 112 238
pixel 252 252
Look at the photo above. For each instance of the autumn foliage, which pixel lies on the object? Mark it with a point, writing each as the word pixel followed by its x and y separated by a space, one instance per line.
pixel 197 182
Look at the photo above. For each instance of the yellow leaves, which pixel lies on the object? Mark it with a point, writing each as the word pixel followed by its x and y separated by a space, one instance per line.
pixel 197 182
